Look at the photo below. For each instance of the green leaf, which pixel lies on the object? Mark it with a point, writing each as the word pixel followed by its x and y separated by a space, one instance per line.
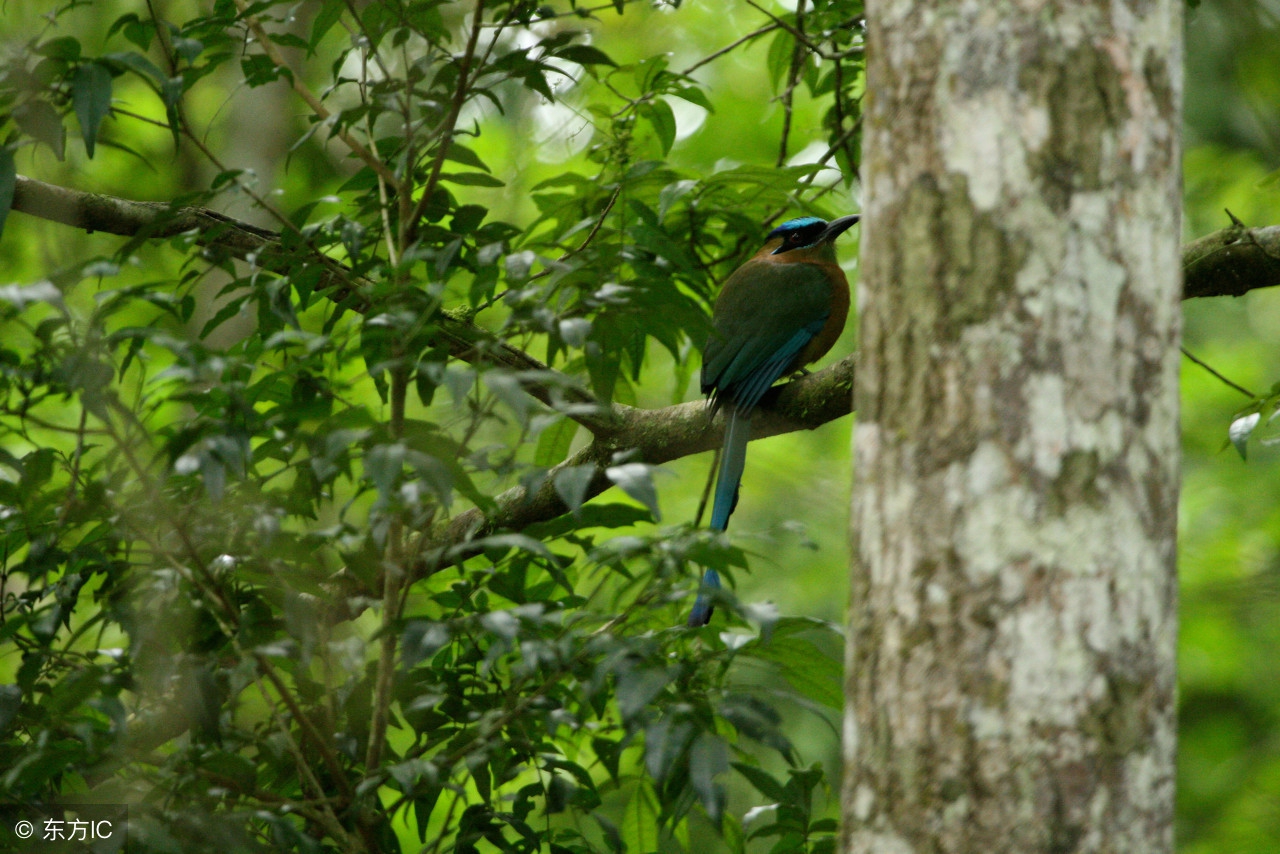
pixel 37 468
pixel 612 836
pixel 10 703
pixel 665 741
pixel 695 95
pixel 611 516
pixel 190 49
pixel 258 69
pixel 637 687
pixel 781 50
pixel 459 153
pixel 1240 430
pixel 585 54
pixel 135 30
pixel 140 33
pixel 554 442
pixel 572 485
pixel 171 93
pixel 733 836
pixel 810 671
pixel 640 820
pixel 330 12
pixel 232 766
pixel 671 194
pixel 467 218
pixel 421 640
pixel 91 97
pixel 471 179
pixel 506 541
pixel 8 184
pixel 764 783
pixel 382 465
pixel 423 806
pixel 647 72
pixel 139 65
pixel 636 480
pixel 66 48
pixel 506 388
pixel 40 121
pixel 658 113
pixel 708 758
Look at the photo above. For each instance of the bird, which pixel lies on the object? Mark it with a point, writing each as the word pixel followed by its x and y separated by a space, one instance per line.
pixel 781 310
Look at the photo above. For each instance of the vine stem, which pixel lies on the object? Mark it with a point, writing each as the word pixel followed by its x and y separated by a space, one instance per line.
pixel 1219 376
pixel 409 229
pixel 392 582
pixel 317 106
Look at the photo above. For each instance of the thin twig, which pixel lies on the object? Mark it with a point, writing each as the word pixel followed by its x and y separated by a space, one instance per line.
pixel 317 106
pixel 711 57
pixel 409 230
pixel 632 103
pixel 799 34
pixel 392 576
pixel 1219 376
pixel 226 614
pixel 793 79
pixel 595 229
pixel 307 778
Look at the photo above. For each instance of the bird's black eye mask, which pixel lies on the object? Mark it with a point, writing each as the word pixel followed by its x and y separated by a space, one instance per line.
pixel 800 238
pixel 798 233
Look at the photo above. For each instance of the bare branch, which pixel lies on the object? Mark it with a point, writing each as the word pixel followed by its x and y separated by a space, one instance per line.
pixel 128 218
pixel 1216 375
pixel 651 436
pixel 711 57
pixel 1231 262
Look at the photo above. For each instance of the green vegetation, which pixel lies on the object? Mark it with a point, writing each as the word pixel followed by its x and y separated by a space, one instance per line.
pixel 263 579
pixel 235 472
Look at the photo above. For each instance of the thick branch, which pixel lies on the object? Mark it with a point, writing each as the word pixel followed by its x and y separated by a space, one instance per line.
pixel 128 218
pixel 651 436
pixel 1229 262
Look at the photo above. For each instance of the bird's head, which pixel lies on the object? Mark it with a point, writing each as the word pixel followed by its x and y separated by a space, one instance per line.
pixel 808 233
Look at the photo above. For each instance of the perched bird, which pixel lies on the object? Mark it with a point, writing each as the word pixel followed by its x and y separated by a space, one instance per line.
pixel 776 313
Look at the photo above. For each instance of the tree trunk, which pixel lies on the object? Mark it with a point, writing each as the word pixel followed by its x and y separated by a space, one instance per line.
pixel 1011 678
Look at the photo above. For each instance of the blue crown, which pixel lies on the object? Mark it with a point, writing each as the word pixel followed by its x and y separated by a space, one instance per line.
pixel 799 224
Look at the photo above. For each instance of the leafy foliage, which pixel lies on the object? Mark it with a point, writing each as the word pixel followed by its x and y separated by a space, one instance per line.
pixel 229 488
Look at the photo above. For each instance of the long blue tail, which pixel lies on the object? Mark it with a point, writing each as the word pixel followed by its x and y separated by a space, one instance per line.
pixel 733 458
pixel 702 607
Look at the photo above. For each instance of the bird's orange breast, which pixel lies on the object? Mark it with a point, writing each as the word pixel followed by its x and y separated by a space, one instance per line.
pixel 831 330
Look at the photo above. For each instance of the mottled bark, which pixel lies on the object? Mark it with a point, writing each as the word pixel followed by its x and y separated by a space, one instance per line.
pixel 1013 612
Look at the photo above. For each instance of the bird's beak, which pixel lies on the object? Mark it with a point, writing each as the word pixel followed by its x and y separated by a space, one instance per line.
pixel 837 227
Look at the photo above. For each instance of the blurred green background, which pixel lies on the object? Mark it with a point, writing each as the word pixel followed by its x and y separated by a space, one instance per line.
pixel 794 502
pixel 1229 656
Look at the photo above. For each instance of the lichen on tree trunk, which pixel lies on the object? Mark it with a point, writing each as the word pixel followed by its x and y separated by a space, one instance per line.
pixel 1012 633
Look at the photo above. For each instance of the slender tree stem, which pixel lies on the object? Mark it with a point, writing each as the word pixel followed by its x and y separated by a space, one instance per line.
pixel 445 135
pixel 317 106
pixel 1219 376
